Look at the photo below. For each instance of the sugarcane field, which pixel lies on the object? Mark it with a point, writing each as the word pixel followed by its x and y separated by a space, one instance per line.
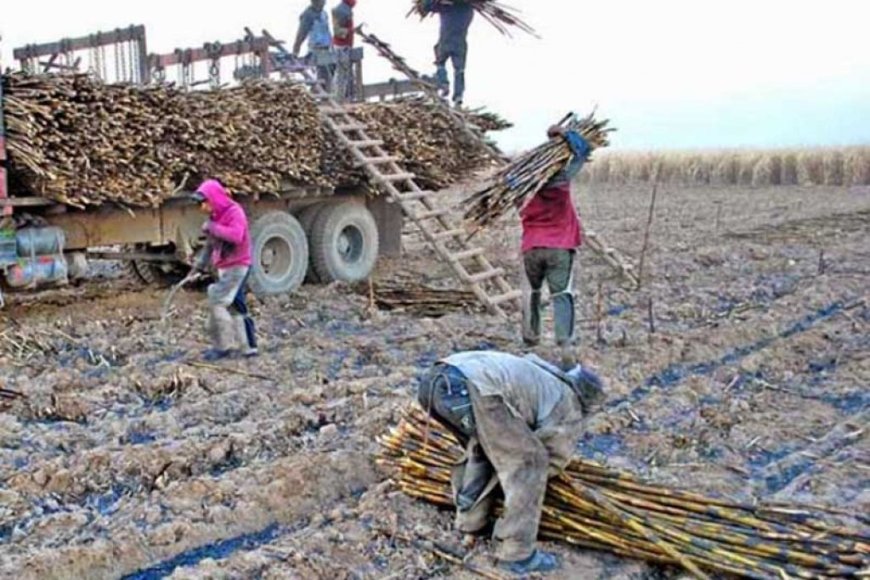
pixel 296 303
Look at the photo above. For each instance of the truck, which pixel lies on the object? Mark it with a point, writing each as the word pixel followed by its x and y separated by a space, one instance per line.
pixel 320 234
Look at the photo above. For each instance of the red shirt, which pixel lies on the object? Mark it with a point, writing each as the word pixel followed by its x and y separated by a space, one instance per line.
pixel 550 220
pixel 342 18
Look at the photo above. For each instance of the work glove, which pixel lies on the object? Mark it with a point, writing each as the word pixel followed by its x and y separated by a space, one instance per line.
pixel 576 142
pixel 579 146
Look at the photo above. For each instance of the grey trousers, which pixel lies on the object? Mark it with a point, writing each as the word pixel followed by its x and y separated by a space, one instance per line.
pixel 508 453
pixel 226 330
pixel 343 81
pixel 500 450
pixel 556 267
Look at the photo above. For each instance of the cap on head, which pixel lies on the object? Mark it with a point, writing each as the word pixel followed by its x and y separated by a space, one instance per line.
pixel 197 197
pixel 588 386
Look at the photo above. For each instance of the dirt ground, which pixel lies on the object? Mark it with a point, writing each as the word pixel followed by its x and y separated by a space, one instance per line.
pixel 739 369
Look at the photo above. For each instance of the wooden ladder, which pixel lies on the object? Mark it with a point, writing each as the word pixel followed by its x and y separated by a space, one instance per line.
pixel 611 257
pixel 446 236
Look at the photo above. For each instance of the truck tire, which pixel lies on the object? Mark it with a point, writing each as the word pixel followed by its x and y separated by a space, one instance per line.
pixel 308 215
pixel 306 218
pixel 161 274
pixel 279 252
pixel 344 243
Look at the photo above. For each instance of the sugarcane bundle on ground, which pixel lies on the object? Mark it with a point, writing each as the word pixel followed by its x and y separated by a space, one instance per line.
pixel 595 507
pixel 514 185
pixel 418 298
pixel 77 141
pixel 501 16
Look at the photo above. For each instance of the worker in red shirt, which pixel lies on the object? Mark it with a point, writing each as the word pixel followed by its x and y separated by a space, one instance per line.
pixel 342 40
pixel 551 236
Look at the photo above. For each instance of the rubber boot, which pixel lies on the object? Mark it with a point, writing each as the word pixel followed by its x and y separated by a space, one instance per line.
pixel 245 335
pixel 540 562
pixel 563 312
pixel 532 319
pixel 221 328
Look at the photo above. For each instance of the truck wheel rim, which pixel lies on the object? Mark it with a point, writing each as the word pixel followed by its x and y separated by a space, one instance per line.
pixel 351 244
pixel 276 258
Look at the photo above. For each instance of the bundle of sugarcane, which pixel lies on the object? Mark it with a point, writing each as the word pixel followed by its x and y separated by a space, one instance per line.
pixel 417 298
pixel 77 141
pixel 528 174
pixel 502 17
pixel 470 124
pixel 80 142
pixel 23 344
pixel 594 507
pixel 426 139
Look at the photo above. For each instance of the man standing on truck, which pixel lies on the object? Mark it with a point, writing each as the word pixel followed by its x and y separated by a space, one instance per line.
pixel 314 25
pixel 229 250
pixel 519 419
pixel 456 17
pixel 551 236
pixel 342 25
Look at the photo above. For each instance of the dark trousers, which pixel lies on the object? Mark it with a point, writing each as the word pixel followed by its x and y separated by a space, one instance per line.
pixel 457 53
pixel 556 267
pixel 240 305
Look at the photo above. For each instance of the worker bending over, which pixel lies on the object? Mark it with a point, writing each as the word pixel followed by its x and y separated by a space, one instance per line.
pixel 520 419
pixel 551 236
pixel 228 248
pixel 456 17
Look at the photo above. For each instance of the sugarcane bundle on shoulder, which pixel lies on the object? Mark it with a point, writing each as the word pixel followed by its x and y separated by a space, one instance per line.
pixel 499 15
pixel 571 143
pixel 456 17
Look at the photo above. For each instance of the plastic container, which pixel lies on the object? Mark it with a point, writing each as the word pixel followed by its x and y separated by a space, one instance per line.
pixel 8 248
pixel 40 241
pixel 34 272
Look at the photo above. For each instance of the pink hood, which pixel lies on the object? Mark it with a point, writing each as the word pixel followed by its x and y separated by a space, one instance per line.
pixel 229 227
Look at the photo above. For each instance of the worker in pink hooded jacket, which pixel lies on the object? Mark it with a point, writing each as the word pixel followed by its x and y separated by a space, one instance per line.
pixel 229 250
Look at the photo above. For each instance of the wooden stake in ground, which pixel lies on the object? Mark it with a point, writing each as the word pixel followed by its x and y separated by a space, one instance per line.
pixel 646 234
pixel 599 314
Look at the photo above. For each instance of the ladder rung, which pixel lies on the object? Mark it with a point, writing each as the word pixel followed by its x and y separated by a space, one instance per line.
pixel 381 160
pixel 369 143
pixel 483 276
pixel 397 177
pixel 351 127
pixel 434 213
pixel 448 235
pixel 473 252
pixel 507 297
pixel 415 196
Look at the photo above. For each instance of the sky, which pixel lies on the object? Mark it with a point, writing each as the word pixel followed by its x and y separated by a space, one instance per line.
pixel 670 74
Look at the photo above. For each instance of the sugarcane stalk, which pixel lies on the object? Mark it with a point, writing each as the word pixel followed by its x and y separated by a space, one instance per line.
pixel 596 507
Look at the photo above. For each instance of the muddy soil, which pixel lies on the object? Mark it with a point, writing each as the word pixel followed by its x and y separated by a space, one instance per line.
pixel 740 368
